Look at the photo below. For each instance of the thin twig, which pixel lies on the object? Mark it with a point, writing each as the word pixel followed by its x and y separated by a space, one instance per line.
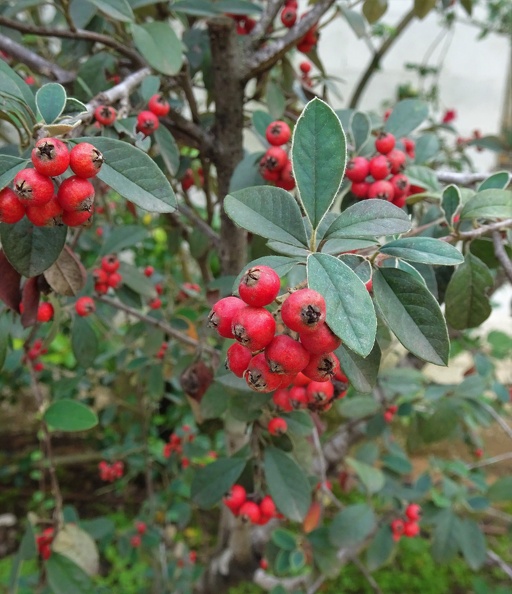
pixel 461 179
pixel 489 461
pixel 369 578
pixel 501 254
pixel 501 422
pixel 497 560
pixel 200 224
pixel 475 233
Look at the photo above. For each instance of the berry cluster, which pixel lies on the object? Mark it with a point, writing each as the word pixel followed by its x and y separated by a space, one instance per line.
pixel 147 120
pixel 244 23
pixel 266 360
pixel 107 276
pixel 175 445
pixel 161 353
pixel 33 354
pixel 390 412
pixel 305 68
pixel 408 526
pixel 34 193
pixel 111 472
pixel 45 312
pixel 275 166
pixel 136 539
pixel 308 42
pixel 250 511
pixel 44 542
pixel 381 176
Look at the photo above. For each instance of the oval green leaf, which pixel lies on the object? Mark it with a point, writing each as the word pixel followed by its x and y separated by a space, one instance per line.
pixel 426 250
pixel 9 167
pixel 69 415
pixel 488 204
pixel 84 341
pixel 168 149
pixel 499 181
pixel 450 202
pixel 160 46
pixel 65 577
pixel 212 482
pixel 50 101
pixel 120 10
pixel 406 116
pixel 361 371
pixel 352 525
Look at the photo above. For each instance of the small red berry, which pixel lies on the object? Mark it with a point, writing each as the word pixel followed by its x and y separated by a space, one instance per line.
pixel 298 397
pixel 11 209
pixel 235 498
pixel 155 303
pixel 289 16
pixel 76 194
pixel 275 158
pixel 48 215
pixel 85 306
pixel 286 179
pixel 319 391
pixel 358 169
pixel 259 377
pixel 114 280
pixel 278 133
pixel 85 160
pixel 409 146
pixel 321 340
pixel 303 310
pixel 187 181
pixel 277 426
pixel 38 367
pixel 263 564
pixel 400 183
pixel 148 271
pixel 45 312
pixel 268 507
pixel 33 188
pixel 250 512
pixel 381 189
pixel 385 143
pixel 222 313
pixel 413 512
pixel 360 189
pixel 147 122
pixel 110 264
pixel 105 115
pixel 397 160
pixel 77 218
pixel 411 529
pixel 305 67
pixel 285 355
pixel 158 105
pixel 253 327
pixel 321 368
pixel 141 527
pixel 388 416
pixel 50 156
pixel 259 286
pixel 281 399
pixel 136 541
pixel 379 167
pixel 237 359
pixel 478 454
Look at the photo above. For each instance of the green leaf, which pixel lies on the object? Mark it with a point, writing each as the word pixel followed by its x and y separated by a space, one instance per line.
pixel 84 341
pixel 212 482
pixel 501 490
pixel 65 577
pixel 412 314
pixel 69 415
pixel 427 147
pixel 9 167
pixel 195 7
pixel 134 175
pixel 488 204
pixel 160 46
pixel 467 304
pixel 350 312
pixel 423 7
pixel 352 525
pixel 261 121
pixel 360 128
pixel 380 549
pixel 120 10
pixel 4 339
pixel 472 543
pixel 445 542
pixel 280 264
pixel 374 9
pixel 287 484
pixel 137 281
pixel 284 539
pixel 23 90
pixel 122 237
pixel 439 425
pixel 426 250
pixel 450 202
pixel 423 177
pixel 406 116
pixel 371 477
pixel 215 402
pixel 358 407
pixel 247 173
pixel 319 154
pixel 32 250
pixel 50 101
pixel 267 211
pixel 369 219
pixel 276 101
pixel 496 181
pixel 241 7
pixel 168 149
pixel 398 464
pixel 299 422
pixel 355 21
pixel 361 371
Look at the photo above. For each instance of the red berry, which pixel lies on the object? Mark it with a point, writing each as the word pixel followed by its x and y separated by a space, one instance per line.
pixel 50 157
pixel 301 380
pixel 358 169
pixel 286 179
pixel 268 507
pixel 277 426
pixel 400 201
pixel 413 512
pixel 141 527
pixel 278 133
pixel 250 512
pixel 155 303
pixel 298 397
pixel 275 158
pixel 285 355
pixel 187 181
pixel 45 312
pixel 281 399
pixel 158 105
pixel 259 377
pixel 397 160
pixel 388 416
pixel 381 189
pixel 305 67
pixel 85 160
pixel 147 122
pixel 76 218
pixel 259 286
pixel 76 194
pixel 110 264
pixel 237 359
pixel 303 310
pixel 222 314
pixel 289 16
pixel 148 271
pixel 409 146
pixel 321 368
pixel 136 541
pixel 11 209
pixel 235 498
pixel 33 188
pixel 321 340
pixel 400 183
pixel 385 143
pixel 360 190
pixel 411 529
pixel 320 391
pixel 397 527
pixel 105 115
pixel 114 280
pixel 266 173
pixel 263 564
pixel 253 327
pixel 379 167
pixel 85 306
pixel 478 453
pixel 48 215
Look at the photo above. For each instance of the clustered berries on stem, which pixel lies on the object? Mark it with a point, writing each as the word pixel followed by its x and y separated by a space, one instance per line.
pixel 275 166
pixel 111 472
pixel 244 23
pixel 34 353
pixel 249 510
pixel 407 526
pixel 381 175
pixel 390 412
pixel 189 179
pixel 44 543
pixel 34 193
pixel 107 276
pixel 176 443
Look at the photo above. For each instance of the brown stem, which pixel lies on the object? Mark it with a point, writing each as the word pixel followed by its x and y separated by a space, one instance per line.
pixel 483 230
pixel 200 224
pixel 381 52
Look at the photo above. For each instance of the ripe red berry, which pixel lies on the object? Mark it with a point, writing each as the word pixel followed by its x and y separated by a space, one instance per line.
pixel 411 529
pixel 76 194
pixel 147 122
pixel 321 340
pixel 266 173
pixel 48 215
pixel 259 377
pixel 305 67
pixel 155 303
pixel 298 397
pixel 158 105
pixel 397 160
pixel 360 190
pixel 105 115
pixel 379 167
pixel 275 158
pixel 388 416
pixel 400 183
pixel 358 169
pixel 303 310
pixel 45 312
pixel 285 355
pixel 77 218
pixel 85 160
pixel 148 271
pixel 235 498
pixel 319 391
pixel 278 133
pixel 281 399
pixel 286 179
pixel 253 327
pixel 397 527
pixel 268 507
pixel 413 512
pixel 289 16
pixel 136 541
pixel 277 426
pixel 237 359
pixel 263 564
pixel 85 306
pixel 250 512
pixel 385 143
pixel 11 209
pixel 381 189
pixel 110 264
pixel 114 280
pixel 50 156
pixel 222 313
pixel 321 368
pixel 141 527
pixel 259 286
pixel 33 188
pixel 409 146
